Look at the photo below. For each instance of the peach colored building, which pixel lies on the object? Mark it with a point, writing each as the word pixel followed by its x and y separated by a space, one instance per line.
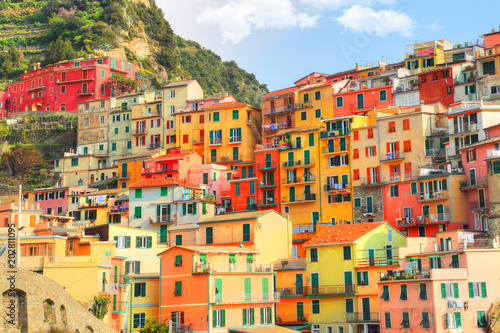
pixel 446 283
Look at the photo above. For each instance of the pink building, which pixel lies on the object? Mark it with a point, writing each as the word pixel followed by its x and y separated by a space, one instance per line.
pixel 446 283
pixel 52 201
pixel 174 164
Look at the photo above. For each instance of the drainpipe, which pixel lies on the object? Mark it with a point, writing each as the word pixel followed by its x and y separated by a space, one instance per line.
pixel 319 181
pixel 159 294
pixel 209 304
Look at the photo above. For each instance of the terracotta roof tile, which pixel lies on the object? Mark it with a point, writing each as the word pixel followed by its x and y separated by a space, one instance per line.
pixel 165 181
pixel 226 105
pixel 280 92
pixel 343 233
pixel 171 156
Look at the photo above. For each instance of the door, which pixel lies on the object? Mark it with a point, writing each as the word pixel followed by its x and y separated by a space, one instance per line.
pixel 421 231
pixel 268 160
pixel 315 219
pixel 236 155
pixel 291 194
pixel 348 281
pixel 388 253
pixel 213 155
pixel 369 204
pixel 371 257
pixel 300 311
pixel 290 158
pixel 307 157
pixel 440 212
pixel 297 142
pixel 366 308
pixel 342 144
pixel 299 284
pixel 482 198
pixel 472 176
pixel 218 290
pixel 265 289
pixel 292 176
pixel 315 283
pixel 360 100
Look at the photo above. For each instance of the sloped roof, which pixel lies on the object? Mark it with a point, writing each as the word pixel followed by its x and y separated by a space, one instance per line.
pixel 284 91
pixel 238 216
pixel 144 155
pixel 343 233
pixel 178 83
pixel 166 181
pixel 226 105
pixel 212 249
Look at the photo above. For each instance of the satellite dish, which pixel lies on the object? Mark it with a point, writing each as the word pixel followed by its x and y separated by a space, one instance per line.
pixel 259 225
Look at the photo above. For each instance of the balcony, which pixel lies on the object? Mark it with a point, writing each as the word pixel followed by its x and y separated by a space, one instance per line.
pixel 474 182
pixel 205 268
pixel 291 319
pixel 35 88
pixel 422 220
pixel 140 131
pixel 268 165
pixel 289 146
pixel 391 156
pixel 463 128
pixel 269 184
pixel 214 141
pixel 163 219
pixel 277 126
pixel 149 171
pixel 282 108
pixel 369 210
pixel 268 202
pixel 121 108
pixel 154 145
pixel 85 92
pixel 479 205
pixel 398 177
pixel 235 209
pixel 226 159
pixel 297 180
pixel 298 163
pixel 375 261
pixel 492 153
pixel 332 149
pixel 369 181
pixel 358 107
pixel 314 291
pixel 181 328
pixel 118 209
pixel 198 140
pixel 428 196
pixel 108 288
pixel 124 175
pixel 333 134
pixel 362 317
pixel 235 139
pixel 300 198
pixel 335 187
pixel 223 298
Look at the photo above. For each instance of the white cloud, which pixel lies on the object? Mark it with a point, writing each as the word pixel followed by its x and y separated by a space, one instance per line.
pixel 361 19
pixel 236 19
pixel 337 4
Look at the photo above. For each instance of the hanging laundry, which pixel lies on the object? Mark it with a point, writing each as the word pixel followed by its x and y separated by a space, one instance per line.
pixel 459 304
pixel 451 304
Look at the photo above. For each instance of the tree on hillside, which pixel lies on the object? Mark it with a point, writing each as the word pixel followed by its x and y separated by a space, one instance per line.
pixel 58 51
pixel 153 326
pixel 4 130
pixel 20 160
pixel 10 61
pixel 122 84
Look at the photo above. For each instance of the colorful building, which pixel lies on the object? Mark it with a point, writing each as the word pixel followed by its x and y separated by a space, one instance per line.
pixel 148 126
pixel 99 208
pixel 130 167
pixel 53 200
pixel 173 164
pixel 424 56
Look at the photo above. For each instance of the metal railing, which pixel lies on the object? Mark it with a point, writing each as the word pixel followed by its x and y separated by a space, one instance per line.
pixel 146 171
pixel 266 202
pixel 479 204
pixel 236 208
pixel 295 180
pixel 334 149
pixel 124 175
pixel 282 108
pixel 262 184
pixel 267 165
pixel 118 208
pixel 85 91
pixel 278 126
pixel 341 289
pixel 291 318
pixel 201 268
pixel 463 128
pixel 493 153
pixel 296 163
pixel 362 317
pixel 394 155
pixel 235 139
pixel 215 141
pixel 163 219
pixel 370 181
pixel 200 139
pixel 154 145
pixel 476 181
pixel 333 134
pixel 335 187
pixel 140 130
pixel 245 298
pixel 109 288
pixel 299 198
pixel 422 219
pixel 361 106
pixel 433 195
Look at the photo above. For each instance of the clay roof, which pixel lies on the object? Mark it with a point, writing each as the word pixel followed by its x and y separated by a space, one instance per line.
pixel 280 92
pixel 226 105
pixel 166 181
pixel 343 233
pixel 171 156
pixel 238 216
pixel 142 155
pixel 178 83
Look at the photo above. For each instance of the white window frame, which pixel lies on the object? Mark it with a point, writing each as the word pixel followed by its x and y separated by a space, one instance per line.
pixel 172 109
pixel 452 322
pixel 370 151
pixel 120 243
pixel 126 116
pixel 406 211
pixel 477 289
pixel 449 289
pixel 340 329
pixel 102 119
pixel 144 242
pixel 218 318
pixel 248 317
pixel 329 329
pixel 389 235
pixel 50 196
pixel 316 328
pixel 142 320
pixel 172 93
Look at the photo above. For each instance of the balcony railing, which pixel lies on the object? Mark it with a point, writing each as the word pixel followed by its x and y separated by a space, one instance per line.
pixel 226 159
pixel 205 268
pixel 108 288
pixel 375 261
pixel 475 205
pixel 262 184
pixel 278 126
pixel 140 131
pixel 333 134
pixel 493 153
pixel 281 108
pixel 463 128
pixel 181 328
pixel 146 171
pixel 322 290
pixel 154 145
pixel 298 163
pixel 362 106
pixel 334 149
pixel 369 181
pixel 335 187
pixel 299 198
pixel 423 196
pixel 422 220
pixel 289 145
pixel 235 139
pixel 85 92
pixel 295 180
pixel 283 319
pixel 394 155
pixel 124 175
pixel 476 181
pixel 267 165
pixel 118 208
pixel 266 202
pixel 163 219
pixel 245 298
pixel 236 208
pixel 198 140
pixel 362 317
pixel 215 141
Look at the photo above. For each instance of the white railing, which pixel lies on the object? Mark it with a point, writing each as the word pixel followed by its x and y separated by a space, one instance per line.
pixel 230 267
pixel 94 260
pixel 245 297
pixel 108 288
pixel 493 153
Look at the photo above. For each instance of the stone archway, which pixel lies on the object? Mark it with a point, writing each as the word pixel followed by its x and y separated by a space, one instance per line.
pixel 49 311
pixel 18 302
pixel 64 317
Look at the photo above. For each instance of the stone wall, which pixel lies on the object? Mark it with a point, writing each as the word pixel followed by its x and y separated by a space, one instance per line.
pixel 40 304
pixel 494 201
pixel 360 213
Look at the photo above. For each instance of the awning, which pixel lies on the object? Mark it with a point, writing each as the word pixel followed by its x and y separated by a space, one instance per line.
pixel 260 329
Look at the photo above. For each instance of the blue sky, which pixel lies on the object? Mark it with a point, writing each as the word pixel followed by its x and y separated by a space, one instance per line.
pixel 281 41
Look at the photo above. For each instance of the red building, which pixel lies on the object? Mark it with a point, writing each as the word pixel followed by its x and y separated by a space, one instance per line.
pixel 174 164
pixel 437 86
pixel 52 200
pixel 60 87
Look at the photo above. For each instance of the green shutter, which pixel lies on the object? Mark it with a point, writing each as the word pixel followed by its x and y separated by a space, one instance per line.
pixel 127 242
pixel 184 208
pixel 443 290
pixel 127 267
pixel 387 320
pixel 358 278
pixel 244 316
pixel 471 290
pixel 262 316
pixel 455 290
pixel 138 241
pixel 458 319
pixel 253 316
pixel 483 290
pixel 164 191
pixel 150 242
pixel 214 318
pixel 116 240
pixel 137 267
pixel 194 208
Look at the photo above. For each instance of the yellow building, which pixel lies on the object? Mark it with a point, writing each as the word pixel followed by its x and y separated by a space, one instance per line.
pixel 426 56
pixel 338 298
pixel 84 169
pixel 317 103
pixel 175 96
pixel 231 132
pixel 148 126
pixel 130 167
pixel 95 207
pixel 143 299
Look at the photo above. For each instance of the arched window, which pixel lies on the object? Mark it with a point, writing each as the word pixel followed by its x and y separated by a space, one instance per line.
pixel 49 312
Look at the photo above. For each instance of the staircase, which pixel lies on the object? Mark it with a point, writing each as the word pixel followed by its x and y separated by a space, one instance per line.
pixel 256 127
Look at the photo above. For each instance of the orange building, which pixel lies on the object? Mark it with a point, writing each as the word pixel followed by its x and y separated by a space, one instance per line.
pixel 130 167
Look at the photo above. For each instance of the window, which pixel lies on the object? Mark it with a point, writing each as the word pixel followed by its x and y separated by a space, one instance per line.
pixel 219 318
pixel 303 115
pixel 385 293
pixel 370 133
pixel 74 162
pixel 404 292
pixel 317 95
pixel 382 94
pixel 450 290
pixel 338 160
pixel 349 305
pixel 340 101
pixel 252 188
pixel 423 291
pixel 357 202
pixel 248 316
pixel 471 155
pixel 394 191
pixel 306 98
pixel 237 189
pixel 122 242
pixel 189 208
pixel 140 289
pixel 481 318
pixel 113 146
pixel 143 242
pixel 453 320
pixel 178 288
pixel 315 306
pixel 406 124
pixel 178 260
pixel 172 93
pixel 139 320
pixel 370 151
pixel 216 116
pixel 235 114
pixel 414 188
pixel 311 139
pixel 316 328
pixel 138 193
pixel 346 250
pixel 477 290
pixel 102 119
pixel 63 89
pixel 362 278
pixel 407 145
pixel 266 316
pixel 314 255
pixel 317 113
pixel 392 126
pixel 406 320
pixel 138 212
pixel 387 317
